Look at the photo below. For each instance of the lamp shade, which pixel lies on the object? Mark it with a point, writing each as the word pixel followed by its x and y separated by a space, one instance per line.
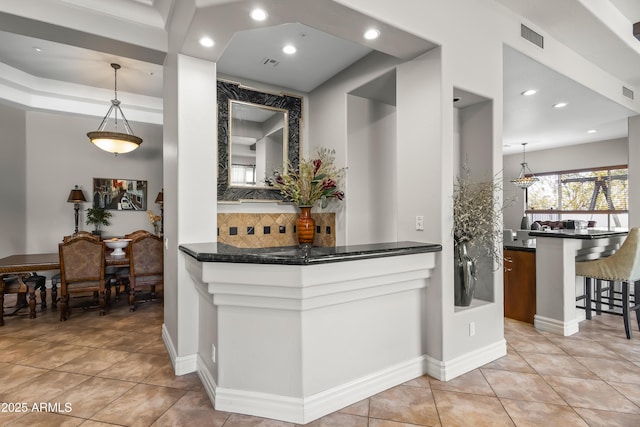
pixel 115 142
pixel 76 196
pixel 160 197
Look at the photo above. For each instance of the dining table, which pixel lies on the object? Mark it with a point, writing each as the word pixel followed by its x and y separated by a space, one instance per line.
pixel 44 262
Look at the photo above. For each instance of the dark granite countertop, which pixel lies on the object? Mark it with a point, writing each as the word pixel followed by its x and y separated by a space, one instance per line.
pixel 293 255
pixel 588 233
pixel 521 245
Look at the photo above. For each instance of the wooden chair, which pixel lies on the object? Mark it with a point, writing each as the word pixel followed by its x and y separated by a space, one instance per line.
pixel 55 279
pixel 16 283
pixel 81 271
pixel 623 266
pixel 146 265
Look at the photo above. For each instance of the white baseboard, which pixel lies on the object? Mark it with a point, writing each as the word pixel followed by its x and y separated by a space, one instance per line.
pixel 208 382
pixel 445 371
pixel 181 364
pixel 302 411
pixel 555 326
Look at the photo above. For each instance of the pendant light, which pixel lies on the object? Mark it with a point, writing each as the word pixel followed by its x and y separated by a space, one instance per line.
pixel 114 141
pixel 525 180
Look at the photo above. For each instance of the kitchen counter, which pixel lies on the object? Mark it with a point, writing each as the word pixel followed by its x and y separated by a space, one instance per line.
pixel 588 233
pixel 295 334
pixel 293 255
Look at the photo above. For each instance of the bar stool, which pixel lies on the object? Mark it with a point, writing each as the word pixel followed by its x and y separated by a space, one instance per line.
pixel 623 266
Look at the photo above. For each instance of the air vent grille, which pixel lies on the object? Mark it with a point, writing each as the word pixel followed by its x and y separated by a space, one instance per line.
pixel 532 36
pixel 270 62
pixel 627 92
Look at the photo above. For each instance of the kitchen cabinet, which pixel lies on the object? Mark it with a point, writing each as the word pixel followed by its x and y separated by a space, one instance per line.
pixel 520 285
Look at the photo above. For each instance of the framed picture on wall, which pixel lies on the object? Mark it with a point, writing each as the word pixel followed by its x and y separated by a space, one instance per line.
pixel 120 194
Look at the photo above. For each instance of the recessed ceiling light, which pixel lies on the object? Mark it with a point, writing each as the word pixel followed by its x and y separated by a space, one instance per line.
pixel 560 105
pixel 289 49
pixel 37 49
pixel 258 15
pixel 371 34
pixel 529 92
pixel 592 131
pixel 207 41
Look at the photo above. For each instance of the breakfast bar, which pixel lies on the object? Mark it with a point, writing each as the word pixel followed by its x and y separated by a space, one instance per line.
pixel 556 280
pixel 294 334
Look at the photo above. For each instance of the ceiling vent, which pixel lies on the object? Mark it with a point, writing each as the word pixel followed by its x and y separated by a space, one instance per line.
pixel 270 61
pixel 627 92
pixel 532 36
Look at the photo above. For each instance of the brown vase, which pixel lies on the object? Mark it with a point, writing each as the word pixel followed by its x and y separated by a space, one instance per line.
pixel 306 226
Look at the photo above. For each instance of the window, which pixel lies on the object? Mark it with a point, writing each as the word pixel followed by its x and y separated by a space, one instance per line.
pixel 600 193
pixel 243 174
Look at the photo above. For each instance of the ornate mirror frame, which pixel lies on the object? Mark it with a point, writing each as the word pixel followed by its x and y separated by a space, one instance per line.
pixel 228 91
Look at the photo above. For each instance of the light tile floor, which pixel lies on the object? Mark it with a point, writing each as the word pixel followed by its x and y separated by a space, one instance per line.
pixel 114 370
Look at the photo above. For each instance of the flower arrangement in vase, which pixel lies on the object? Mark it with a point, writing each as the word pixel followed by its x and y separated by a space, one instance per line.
pixel 477 230
pixel 317 179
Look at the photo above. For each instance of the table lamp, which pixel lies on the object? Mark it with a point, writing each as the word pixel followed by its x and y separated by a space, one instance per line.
pixel 76 196
pixel 160 201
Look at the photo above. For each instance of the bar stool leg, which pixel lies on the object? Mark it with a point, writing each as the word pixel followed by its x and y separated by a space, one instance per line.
pixel 587 293
pixel 625 308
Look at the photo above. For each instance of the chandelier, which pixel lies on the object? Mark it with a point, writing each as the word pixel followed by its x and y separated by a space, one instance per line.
pixel 114 141
pixel 526 178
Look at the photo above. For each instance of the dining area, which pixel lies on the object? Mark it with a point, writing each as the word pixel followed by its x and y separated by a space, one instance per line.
pixel 87 272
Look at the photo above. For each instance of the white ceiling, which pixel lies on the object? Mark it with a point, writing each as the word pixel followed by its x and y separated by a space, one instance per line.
pixel 70 53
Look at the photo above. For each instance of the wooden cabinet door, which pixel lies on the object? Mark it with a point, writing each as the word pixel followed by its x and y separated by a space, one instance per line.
pixel 520 285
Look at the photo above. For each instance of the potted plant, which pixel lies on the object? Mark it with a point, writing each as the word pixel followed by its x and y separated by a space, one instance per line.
pixel 316 179
pixel 477 230
pixel 98 217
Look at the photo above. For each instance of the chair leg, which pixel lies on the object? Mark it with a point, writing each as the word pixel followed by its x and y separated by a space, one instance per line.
pixel 625 308
pixel 54 295
pixel 598 296
pixel 101 302
pixel 32 302
pixel 64 302
pixel 636 301
pixel 587 294
pixel 1 307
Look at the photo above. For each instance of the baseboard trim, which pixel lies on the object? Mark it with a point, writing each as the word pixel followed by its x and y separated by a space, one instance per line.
pixel 304 410
pixel 445 371
pixel 555 326
pixel 181 364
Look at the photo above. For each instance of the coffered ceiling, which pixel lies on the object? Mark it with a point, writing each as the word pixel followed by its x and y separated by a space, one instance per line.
pixel 65 46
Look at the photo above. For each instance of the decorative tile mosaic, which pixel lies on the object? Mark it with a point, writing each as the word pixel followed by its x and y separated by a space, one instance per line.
pixel 254 230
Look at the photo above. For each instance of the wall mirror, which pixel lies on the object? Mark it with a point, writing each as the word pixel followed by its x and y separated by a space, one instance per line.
pixel 257 133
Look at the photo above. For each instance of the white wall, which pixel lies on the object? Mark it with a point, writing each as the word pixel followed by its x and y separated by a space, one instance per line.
pixel 596 154
pixel 59 156
pixel 13 179
pixel 371 180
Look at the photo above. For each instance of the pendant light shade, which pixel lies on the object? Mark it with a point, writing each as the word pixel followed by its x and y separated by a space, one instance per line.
pixel 526 178
pixel 114 141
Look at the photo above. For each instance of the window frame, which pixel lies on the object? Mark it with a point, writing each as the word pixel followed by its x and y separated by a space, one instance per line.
pixel 572 211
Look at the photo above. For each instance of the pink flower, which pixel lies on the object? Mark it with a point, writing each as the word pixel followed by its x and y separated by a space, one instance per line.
pixel 316 165
pixel 328 184
pixel 339 195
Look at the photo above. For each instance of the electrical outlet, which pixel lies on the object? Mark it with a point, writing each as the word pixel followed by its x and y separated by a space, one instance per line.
pixel 420 223
pixel 472 329
pixel 213 353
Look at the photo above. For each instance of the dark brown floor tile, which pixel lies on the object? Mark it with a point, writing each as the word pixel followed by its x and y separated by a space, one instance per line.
pixel 136 367
pixel 92 395
pixel 534 414
pixel 192 409
pixel 55 355
pixel 238 420
pixel 140 406
pixel 46 419
pixel 597 418
pixel 464 409
pixel 94 361
pixel 591 394
pixel 360 408
pixel 405 404
pixel 521 386
pixel 558 365
pixel 471 382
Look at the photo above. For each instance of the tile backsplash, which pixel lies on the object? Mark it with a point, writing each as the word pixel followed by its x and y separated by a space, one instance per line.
pixel 264 230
